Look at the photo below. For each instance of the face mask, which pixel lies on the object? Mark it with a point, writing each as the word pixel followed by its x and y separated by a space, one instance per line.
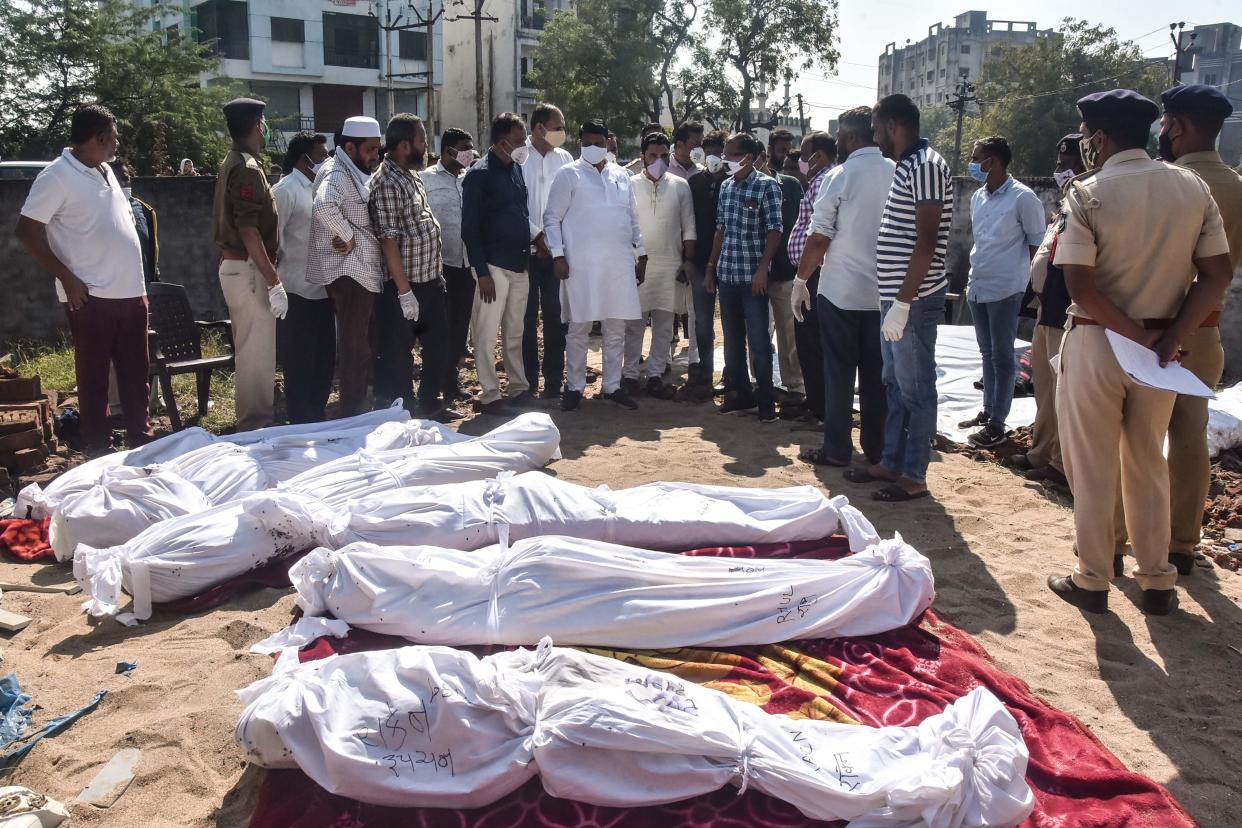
pixel 1090 155
pixel 1062 177
pixel 697 155
pixel 555 137
pixel 714 163
pixel 463 157
pixel 593 155
pixel 315 168
pixel 657 168
pixel 129 191
pixel 735 167
pixel 519 154
pixel 1166 148
pixel 804 166
pixel 975 170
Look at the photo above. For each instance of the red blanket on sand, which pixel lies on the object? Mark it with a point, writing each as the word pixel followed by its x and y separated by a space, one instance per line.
pixel 898 678
pixel 26 540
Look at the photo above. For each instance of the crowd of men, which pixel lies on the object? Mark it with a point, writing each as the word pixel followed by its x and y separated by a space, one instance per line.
pixel 837 246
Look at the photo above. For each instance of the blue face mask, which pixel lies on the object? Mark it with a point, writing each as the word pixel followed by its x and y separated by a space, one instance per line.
pixel 975 171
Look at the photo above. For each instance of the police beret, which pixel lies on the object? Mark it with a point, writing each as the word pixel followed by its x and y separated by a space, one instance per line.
pixel 1069 144
pixel 243 106
pixel 1197 99
pixel 1118 105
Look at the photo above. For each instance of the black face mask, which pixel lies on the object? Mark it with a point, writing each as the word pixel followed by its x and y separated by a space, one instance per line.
pixel 1166 148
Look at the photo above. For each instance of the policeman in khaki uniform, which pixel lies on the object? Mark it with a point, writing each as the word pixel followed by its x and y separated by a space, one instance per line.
pixel 245 228
pixel 1136 232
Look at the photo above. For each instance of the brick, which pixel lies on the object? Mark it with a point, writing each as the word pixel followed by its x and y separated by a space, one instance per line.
pixel 22 440
pixel 27 459
pixel 16 423
pixel 20 389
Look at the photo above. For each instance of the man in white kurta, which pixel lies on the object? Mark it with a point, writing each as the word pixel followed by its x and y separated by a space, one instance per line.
pixel 591 225
pixel 666 218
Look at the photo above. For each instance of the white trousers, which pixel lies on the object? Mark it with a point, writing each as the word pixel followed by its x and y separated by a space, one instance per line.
pixel 506 313
pixel 254 342
pixel 661 344
pixel 786 350
pixel 576 353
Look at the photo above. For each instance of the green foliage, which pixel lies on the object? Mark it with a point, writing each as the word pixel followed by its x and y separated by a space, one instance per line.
pixel 62 53
pixel 1029 93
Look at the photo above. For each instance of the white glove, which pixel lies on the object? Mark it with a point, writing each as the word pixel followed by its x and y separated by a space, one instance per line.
pixel 409 305
pixel 800 298
pixel 278 300
pixel 895 321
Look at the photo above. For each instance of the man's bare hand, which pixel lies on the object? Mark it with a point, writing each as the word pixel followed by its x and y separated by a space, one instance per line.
pixel 542 251
pixel 709 281
pixel 1165 345
pixel 759 282
pixel 76 291
pixel 560 267
pixel 342 247
pixel 487 289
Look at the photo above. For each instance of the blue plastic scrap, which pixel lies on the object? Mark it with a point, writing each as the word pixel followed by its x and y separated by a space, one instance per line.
pixel 17 717
pixel 124 668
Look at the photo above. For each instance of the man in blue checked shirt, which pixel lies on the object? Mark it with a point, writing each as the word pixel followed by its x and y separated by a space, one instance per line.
pixel 1009 223
pixel 748 234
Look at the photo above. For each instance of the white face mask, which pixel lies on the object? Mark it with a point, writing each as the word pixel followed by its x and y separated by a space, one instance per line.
pixel 129 191
pixel 555 137
pixel 1063 177
pixel 593 155
pixel 714 163
pixel 315 168
pixel 657 168
pixel 463 157
pixel 520 154
pixel 735 167
pixel 697 155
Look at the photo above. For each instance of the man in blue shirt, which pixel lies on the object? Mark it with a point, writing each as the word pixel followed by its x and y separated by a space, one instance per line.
pixel 748 235
pixel 1009 222
pixel 496 229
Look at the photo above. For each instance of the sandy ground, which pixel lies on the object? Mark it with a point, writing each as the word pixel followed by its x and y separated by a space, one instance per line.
pixel 1161 693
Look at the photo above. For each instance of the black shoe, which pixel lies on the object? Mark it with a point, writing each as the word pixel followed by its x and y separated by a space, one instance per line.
pixel 570 400
pixel 1085 599
pixel 694 392
pixel 988 436
pixel 980 419
pixel 498 408
pixel 524 401
pixel 1184 562
pixel 1047 473
pixel 621 398
pixel 734 402
pixel 767 414
pixel 656 388
pixel 1158 601
pixel 1021 462
pixel 443 414
pixel 630 386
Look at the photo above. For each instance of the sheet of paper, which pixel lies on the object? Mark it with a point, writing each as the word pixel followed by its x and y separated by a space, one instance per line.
pixel 1143 366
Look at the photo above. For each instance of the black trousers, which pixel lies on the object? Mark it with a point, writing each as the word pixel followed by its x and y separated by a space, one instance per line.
pixel 851 346
pixel 545 298
pixel 810 355
pixel 306 342
pixel 459 301
pixel 394 357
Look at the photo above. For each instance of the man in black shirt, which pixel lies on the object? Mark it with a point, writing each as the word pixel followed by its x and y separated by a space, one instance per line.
pixel 705 190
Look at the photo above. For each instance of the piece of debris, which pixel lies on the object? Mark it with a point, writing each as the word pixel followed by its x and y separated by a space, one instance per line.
pixel 112 779
pixel 124 668
pixel 12 622
pixel 67 589
pixel 23 808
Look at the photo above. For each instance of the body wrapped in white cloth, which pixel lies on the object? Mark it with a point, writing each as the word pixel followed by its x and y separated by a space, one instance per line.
pixel 672 516
pixel 600 594
pixel 439 728
pixel 187 554
pixel 39 503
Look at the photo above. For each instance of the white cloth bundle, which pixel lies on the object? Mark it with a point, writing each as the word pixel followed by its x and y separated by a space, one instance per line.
pixel 42 503
pixel 673 516
pixel 528 441
pixel 598 594
pixel 439 728
pixel 189 554
pixel 214 474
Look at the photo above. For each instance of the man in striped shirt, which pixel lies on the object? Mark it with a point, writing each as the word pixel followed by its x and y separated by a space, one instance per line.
pixel 910 251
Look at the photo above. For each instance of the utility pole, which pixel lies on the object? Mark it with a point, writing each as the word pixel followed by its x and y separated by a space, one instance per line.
pixel 480 105
pixel 418 21
pixel 1179 50
pixel 963 95
pixel 801 116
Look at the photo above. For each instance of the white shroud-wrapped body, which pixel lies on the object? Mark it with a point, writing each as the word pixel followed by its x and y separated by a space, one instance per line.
pixel 439 728
pixel 672 516
pixel 599 594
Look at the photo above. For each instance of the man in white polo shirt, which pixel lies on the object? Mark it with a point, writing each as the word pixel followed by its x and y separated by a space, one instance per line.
pixel 77 223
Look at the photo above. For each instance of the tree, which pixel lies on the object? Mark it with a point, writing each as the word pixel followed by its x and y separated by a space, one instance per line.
pixel 766 42
pixel 59 55
pixel 1029 93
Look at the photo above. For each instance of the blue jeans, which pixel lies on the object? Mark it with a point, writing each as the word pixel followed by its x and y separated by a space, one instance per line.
pixel 704 331
pixel 910 388
pixel 744 318
pixel 996 326
pixel 545 298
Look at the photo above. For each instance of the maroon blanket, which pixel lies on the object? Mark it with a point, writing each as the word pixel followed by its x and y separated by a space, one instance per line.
pixel 898 678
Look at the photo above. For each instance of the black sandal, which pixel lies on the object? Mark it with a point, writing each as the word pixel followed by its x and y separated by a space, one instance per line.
pixel 895 494
pixel 816 457
pixel 858 474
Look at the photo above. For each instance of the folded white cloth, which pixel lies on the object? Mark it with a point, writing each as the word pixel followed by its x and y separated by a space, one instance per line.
pixel 674 516
pixel 439 728
pixel 599 594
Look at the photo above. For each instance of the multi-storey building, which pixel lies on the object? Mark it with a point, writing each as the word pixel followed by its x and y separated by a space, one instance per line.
pixel 929 71
pixel 1214 57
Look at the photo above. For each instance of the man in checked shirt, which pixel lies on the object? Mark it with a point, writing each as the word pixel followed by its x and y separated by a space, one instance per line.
pixel 409 238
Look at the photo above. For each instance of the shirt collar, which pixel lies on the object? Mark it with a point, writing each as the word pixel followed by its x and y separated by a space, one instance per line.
pixel 67 153
pixel 1002 189
pixel 861 151
pixel 818 176
pixel 920 144
pixel 1126 156
pixel 440 169
pixel 500 162
pixel 1206 156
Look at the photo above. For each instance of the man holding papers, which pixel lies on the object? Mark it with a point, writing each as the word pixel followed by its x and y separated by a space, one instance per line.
pixel 1134 235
